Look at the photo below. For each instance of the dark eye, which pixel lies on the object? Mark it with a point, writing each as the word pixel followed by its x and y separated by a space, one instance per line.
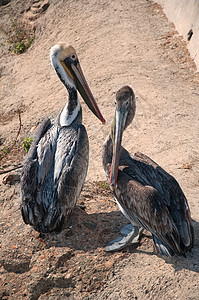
pixel 73 57
pixel 127 103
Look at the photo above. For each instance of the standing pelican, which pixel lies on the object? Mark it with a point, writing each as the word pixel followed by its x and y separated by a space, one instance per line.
pixel 147 195
pixel 55 168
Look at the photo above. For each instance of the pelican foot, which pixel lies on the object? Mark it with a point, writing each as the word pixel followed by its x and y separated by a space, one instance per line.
pixel 130 235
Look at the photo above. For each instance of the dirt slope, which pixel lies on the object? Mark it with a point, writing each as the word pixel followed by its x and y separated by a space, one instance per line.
pixel 118 43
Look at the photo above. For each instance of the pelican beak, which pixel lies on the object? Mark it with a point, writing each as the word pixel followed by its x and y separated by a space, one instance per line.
pixel 120 120
pixel 75 72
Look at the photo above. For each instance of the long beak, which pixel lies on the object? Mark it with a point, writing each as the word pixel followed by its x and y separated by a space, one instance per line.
pixel 85 91
pixel 120 120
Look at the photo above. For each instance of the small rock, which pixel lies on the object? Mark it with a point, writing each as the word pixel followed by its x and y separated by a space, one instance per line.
pixel 187 166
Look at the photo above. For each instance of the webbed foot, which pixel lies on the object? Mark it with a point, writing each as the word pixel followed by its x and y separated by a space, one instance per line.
pixel 130 235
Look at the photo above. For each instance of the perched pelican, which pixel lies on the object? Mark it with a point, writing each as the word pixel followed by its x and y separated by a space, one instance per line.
pixel 56 165
pixel 147 195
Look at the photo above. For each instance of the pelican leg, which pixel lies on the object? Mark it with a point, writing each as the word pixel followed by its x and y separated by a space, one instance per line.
pixel 130 235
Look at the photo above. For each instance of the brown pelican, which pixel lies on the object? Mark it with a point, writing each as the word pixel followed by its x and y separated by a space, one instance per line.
pixel 148 196
pixel 56 165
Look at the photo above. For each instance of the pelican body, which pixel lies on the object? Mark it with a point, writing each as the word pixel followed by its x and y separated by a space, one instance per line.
pixel 147 195
pixel 55 168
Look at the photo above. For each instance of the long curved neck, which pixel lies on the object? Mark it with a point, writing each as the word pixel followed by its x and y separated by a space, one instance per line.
pixel 71 109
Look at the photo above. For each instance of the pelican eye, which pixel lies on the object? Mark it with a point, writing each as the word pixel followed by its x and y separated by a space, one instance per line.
pixel 73 57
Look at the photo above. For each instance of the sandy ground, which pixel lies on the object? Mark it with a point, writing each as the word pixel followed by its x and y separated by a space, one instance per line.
pixel 118 43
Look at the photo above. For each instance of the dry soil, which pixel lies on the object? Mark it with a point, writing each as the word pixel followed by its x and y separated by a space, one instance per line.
pixel 118 43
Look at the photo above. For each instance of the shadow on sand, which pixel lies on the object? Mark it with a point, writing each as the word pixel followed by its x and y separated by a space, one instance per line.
pixel 87 232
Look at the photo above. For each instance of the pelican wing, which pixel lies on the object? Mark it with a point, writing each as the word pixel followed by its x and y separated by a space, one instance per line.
pixel 172 196
pixel 71 164
pixel 54 177
pixel 145 208
pixel 154 200
pixel 29 181
pixel 39 133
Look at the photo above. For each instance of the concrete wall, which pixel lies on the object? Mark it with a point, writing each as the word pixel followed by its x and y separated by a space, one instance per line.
pixel 185 15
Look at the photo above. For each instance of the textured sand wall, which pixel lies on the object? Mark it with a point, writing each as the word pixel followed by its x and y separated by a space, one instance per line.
pixel 185 15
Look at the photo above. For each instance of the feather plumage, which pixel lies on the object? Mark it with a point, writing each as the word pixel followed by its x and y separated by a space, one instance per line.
pixel 55 168
pixel 147 195
pixel 53 177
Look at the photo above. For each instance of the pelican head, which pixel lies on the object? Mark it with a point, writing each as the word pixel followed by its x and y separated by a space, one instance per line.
pixel 124 114
pixel 66 64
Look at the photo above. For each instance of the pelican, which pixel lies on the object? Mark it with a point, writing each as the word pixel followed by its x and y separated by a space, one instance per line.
pixel 147 195
pixel 56 165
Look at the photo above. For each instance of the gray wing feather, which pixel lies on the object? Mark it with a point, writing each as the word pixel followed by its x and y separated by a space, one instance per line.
pixel 70 177
pixel 46 149
pixel 29 182
pixel 39 132
pixel 30 167
pixel 52 179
